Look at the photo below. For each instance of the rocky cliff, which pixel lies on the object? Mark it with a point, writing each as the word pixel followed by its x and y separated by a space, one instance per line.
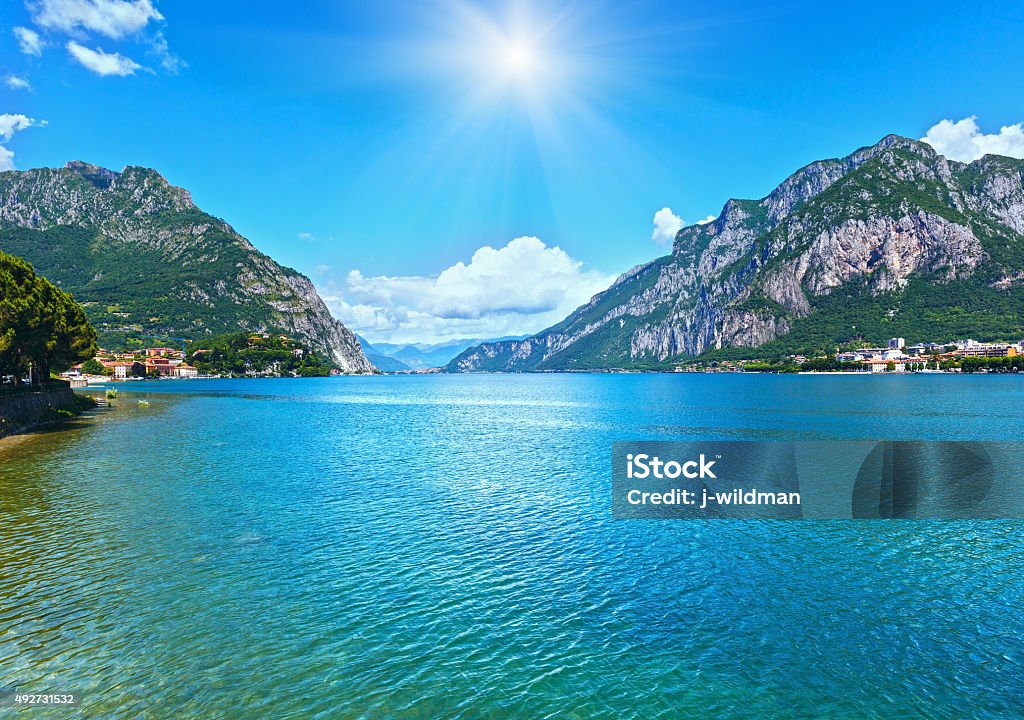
pixel 147 263
pixel 893 239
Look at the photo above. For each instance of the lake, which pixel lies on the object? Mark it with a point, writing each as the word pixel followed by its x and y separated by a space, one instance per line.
pixel 443 547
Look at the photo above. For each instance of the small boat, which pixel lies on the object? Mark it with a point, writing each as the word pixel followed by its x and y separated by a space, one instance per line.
pixel 144 403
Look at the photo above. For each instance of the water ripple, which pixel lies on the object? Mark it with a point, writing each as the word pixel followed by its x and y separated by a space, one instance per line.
pixel 435 547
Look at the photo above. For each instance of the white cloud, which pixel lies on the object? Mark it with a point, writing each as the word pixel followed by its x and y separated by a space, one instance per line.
pixel 307 236
pixel 168 60
pixel 17 83
pixel 29 41
pixel 963 140
pixel 103 63
pixel 112 18
pixel 9 125
pixel 6 159
pixel 520 288
pixel 666 225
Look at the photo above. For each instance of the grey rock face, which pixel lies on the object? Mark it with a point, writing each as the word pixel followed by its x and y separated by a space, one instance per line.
pixel 746 329
pixel 898 247
pixel 999 191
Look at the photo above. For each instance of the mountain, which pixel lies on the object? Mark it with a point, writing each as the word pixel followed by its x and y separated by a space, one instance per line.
pixel 419 356
pixel 146 263
pixel 380 360
pixel 892 240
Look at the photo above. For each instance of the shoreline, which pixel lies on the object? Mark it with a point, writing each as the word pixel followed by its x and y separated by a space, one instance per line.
pixel 143 386
pixel 25 434
pixel 24 414
pixel 9 442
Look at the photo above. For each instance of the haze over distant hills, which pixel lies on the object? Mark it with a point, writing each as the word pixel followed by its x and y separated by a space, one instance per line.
pixel 396 357
pixel 148 264
pixel 892 240
pixel 384 363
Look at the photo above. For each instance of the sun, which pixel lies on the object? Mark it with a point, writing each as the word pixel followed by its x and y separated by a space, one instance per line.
pixel 519 59
pixel 514 64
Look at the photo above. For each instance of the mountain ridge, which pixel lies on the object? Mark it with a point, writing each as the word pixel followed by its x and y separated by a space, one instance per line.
pixel 145 261
pixel 885 225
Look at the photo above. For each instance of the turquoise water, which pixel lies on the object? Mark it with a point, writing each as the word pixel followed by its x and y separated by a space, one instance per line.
pixel 442 547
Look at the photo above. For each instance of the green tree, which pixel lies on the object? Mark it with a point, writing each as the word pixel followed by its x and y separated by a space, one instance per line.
pixel 92 366
pixel 42 328
pixel 242 353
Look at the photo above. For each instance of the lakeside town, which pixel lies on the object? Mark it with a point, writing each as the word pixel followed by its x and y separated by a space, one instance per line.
pixel 896 357
pixel 168 363
pixel 239 355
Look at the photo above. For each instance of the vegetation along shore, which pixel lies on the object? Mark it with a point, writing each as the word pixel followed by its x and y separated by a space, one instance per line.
pixel 42 331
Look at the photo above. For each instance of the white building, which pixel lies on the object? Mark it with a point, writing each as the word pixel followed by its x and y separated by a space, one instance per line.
pixel 878 365
pixel 185 370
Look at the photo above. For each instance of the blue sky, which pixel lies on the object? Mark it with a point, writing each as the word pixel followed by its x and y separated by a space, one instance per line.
pixel 375 147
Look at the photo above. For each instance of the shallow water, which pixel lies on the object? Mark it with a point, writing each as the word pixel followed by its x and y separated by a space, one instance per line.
pixel 435 546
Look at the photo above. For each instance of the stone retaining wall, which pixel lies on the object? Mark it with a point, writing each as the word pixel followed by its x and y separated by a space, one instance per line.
pixel 24 407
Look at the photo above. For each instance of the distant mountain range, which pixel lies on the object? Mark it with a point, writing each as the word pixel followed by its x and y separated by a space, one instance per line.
pixel 893 240
pixel 384 363
pixel 148 264
pixel 392 357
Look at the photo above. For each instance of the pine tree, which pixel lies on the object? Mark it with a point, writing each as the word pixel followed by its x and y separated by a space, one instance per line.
pixel 42 328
